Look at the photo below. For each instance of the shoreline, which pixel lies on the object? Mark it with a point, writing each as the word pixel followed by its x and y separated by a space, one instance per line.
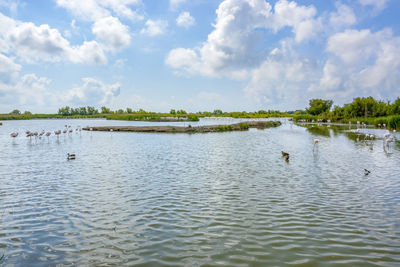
pixel 243 126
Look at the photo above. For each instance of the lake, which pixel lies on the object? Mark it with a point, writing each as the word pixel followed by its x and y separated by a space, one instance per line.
pixel 212 199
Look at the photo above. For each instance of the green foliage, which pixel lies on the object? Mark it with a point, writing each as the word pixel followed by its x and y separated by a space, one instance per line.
pixel 224 128
pixel 217 112
pixel 67 111
pixel 193 118
pixel 129 110
pixel 15 112
pixel 394 122
pixel 244 126
pixel 105 110
pixel 172 112
pixel 319 106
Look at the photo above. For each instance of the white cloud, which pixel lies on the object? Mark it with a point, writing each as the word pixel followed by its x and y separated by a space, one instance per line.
pixel 282 78
pixel 112 33
pixel 33 43
pixel 94 10
pixel 378 4
pixel 300 18
pixel 7 65
pixel 29 90
pixel 185 20
pixel 231 48
pixel 362 63
pixel 12 5
pixel 343 17
pixel 176 3
pixel 154 27
pixel 230 45
pixel 92 92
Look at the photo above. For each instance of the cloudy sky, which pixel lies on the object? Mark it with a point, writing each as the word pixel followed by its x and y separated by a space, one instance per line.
pixel 196 54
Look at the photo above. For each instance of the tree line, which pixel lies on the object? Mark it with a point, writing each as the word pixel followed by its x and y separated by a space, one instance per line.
pixel 359 107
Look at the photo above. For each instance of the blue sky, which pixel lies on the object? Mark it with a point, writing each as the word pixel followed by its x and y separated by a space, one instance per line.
pixel 197 55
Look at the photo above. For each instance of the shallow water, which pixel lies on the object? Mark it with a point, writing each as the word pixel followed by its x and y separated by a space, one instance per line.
pixel 203 199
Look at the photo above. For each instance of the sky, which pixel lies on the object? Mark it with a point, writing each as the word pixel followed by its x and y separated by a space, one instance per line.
pixel 197 55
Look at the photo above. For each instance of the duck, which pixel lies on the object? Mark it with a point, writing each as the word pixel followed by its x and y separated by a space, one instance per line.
pixel 366 172
pixel 285 155
pixel 70 156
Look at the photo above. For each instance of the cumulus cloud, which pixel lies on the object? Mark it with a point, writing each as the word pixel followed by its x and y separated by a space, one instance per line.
pixel 7 64
pixel 185 20
pixel 230 44
pixel 300 18
pixel 33 43
pixel 343 17
pixel 282 77
pixel 92 92
pixel 29 90
pixel 231 47
pixel 154 27
pixel 112 33
pixel 93 10
pixel 362 62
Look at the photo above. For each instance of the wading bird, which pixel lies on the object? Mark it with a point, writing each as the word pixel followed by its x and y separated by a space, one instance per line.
pixel 14 135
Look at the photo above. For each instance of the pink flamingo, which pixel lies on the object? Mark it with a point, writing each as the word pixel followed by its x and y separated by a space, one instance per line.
pixel 14 135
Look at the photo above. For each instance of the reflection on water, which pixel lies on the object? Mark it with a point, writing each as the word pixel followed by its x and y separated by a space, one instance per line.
pixel 202 199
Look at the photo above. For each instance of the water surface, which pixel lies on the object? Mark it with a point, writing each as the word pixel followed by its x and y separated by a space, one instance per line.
pixel 202 199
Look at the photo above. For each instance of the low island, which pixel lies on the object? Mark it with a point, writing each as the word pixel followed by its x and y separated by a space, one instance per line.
pixel 242 126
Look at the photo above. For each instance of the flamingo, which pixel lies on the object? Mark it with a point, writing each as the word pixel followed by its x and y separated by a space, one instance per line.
pixel 57 133
pixel 14 135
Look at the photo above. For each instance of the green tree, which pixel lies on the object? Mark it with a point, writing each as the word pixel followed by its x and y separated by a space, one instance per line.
pixel 396 107
pixel 172 112
pixel 26 112
pixel 92 110
pixel 361 107
pixel 65 111
pixel 319 106
pixel 217 112
pixel 129 110
pixel 15 112
pixel 105 110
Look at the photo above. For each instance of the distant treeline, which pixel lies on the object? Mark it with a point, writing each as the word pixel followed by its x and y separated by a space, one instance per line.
pixel 130 114
pixel 363 109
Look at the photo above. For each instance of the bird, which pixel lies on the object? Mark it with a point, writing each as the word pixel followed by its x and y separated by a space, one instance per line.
pixel 14 135
pixel 316 141
pixel 366 172
pixel 70 156
pixel 285 155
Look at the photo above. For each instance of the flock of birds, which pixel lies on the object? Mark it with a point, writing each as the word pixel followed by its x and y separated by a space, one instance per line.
pixel 39 135
pixel 67 130
pixel 387 140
